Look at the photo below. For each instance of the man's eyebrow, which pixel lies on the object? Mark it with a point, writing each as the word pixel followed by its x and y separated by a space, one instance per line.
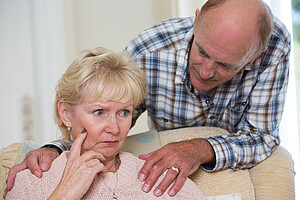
pixel 203 52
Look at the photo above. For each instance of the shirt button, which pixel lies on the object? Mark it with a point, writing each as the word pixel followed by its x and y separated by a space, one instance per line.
pixel 165 120
pixel 212 117
pixel 207 101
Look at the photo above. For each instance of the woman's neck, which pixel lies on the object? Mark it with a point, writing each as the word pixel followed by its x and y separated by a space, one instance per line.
pixel 113 164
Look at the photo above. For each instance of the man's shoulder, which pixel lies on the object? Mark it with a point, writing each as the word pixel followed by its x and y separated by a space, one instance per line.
pixel 166 34
pixel 280 32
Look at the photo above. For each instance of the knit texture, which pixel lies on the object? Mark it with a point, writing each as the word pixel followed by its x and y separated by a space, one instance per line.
pixel 27 186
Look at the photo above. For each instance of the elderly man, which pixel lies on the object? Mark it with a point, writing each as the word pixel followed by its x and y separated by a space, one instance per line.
pixel 227 67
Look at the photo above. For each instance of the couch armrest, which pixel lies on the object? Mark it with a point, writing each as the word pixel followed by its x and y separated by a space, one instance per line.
pixel 274 177
pixel 8 158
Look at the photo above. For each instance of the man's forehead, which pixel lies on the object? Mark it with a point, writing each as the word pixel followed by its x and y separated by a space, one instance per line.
pixel 202 51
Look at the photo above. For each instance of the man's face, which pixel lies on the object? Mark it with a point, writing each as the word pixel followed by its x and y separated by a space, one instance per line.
pixel 207 71
pixel 216 54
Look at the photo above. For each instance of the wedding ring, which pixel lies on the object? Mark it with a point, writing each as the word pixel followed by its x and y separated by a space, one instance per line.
pixel 175 169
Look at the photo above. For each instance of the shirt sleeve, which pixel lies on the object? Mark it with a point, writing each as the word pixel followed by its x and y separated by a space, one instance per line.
pixel 62 144
pixel 257 133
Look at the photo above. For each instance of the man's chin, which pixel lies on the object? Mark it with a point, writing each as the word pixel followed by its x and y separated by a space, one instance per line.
pixel 203 88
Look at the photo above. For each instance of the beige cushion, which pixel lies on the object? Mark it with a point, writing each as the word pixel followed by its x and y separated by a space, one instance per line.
pixel 271 179
pixel 142 143
pixel 213 183
pixel 8 158
pixel 274 178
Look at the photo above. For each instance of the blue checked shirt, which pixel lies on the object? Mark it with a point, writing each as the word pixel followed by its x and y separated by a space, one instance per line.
pixel 249 106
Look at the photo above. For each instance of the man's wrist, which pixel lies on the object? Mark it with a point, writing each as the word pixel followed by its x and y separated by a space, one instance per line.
pixel 53 147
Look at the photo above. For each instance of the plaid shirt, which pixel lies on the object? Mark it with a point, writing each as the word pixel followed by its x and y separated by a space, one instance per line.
pixel 249 106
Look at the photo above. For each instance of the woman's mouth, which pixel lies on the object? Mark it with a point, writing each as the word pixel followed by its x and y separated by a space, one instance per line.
pixel 109 143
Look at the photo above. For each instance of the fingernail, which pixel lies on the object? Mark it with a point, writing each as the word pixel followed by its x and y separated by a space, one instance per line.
pixel 141 177
pixel 44 166
pixel 37 173
pixel 145 188
pixel 157 192
pixel 172 192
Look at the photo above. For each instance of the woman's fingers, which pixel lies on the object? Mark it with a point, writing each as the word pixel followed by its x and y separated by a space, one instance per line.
pixel 77 144
pixel 89 155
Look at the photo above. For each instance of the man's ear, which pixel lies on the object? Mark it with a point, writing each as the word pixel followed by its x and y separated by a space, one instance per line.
pixel 63 112
pixel 196 15
pixel 256 57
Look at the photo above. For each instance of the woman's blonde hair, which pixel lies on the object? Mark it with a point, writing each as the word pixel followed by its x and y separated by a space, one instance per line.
pixel 93 71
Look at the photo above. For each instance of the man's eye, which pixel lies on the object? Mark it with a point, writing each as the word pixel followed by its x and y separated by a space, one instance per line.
pixel 98 112
pixel 226 67
pixel 202 54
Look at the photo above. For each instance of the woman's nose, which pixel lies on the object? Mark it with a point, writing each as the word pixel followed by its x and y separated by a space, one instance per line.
pixel 112 125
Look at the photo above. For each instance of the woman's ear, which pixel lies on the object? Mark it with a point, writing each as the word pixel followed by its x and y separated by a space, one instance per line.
pixel 63 112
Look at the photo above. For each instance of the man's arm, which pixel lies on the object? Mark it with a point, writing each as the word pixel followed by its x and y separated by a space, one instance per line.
pixel 256 135
pixel 253 138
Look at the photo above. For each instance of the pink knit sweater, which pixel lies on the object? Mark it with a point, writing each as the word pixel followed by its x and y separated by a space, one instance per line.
pixel 27 186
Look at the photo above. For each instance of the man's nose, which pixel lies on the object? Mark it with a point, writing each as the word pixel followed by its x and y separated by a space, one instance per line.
pixel 208 69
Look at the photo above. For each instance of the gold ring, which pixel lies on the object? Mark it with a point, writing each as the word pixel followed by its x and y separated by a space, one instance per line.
pixel 175 169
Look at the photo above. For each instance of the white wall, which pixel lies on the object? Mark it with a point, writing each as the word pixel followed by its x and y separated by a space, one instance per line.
pixel 16 83
pixel 40 38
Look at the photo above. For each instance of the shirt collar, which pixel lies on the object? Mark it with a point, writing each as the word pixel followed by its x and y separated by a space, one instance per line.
pixel 183 57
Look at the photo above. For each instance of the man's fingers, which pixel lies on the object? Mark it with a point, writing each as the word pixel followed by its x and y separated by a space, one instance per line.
pixel 10 181
pixel 148 165
pixel 145 156
pixel 77 144
pixel 33 165
pixel 178 184
pixel 155 172
pixel 47 158
pixel 165 183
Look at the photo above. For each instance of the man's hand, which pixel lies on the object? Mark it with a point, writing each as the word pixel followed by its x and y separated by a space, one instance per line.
pixel 187 156
pixel 37 161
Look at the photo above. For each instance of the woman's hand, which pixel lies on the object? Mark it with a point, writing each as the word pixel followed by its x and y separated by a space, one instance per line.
pixel 79 172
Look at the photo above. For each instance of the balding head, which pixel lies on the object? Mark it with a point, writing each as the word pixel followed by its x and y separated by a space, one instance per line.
pixel 249 22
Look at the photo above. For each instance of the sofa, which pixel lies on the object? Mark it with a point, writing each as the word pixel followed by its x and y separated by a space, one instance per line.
pixel 271 179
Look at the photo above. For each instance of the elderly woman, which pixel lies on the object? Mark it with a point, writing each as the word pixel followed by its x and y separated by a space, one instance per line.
pixel 94 102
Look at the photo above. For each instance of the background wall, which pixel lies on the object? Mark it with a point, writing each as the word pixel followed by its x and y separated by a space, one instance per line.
pixel 40 38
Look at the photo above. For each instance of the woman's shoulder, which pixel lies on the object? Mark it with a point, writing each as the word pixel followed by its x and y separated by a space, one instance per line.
pixel 129 157
pixel 27 185
pixel 129 160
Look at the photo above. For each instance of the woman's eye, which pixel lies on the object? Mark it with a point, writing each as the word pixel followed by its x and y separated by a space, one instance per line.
pixel 125 113
pixel 98 112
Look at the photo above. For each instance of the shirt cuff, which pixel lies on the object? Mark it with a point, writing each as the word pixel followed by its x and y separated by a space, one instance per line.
pixel 223 152
pixel 61 144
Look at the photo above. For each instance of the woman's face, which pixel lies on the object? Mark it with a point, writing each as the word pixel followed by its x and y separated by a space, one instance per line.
pixel 107 124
